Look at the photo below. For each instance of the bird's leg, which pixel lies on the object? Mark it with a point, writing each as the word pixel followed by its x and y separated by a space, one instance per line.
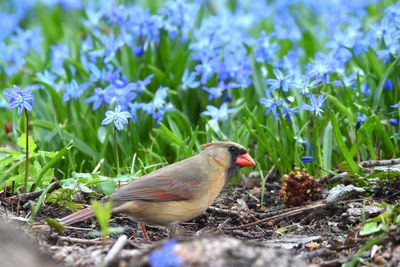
pixel 144 231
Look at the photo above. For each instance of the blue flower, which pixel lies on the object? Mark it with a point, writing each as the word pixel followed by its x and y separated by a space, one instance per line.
pixel 23 99
pixel 206 69
pixel 218 91
pixel 265 49
pixel 316 105
pixel 271 104
pixel 219 114
pixel 307 159
pixel 99 97
pixel 394 122
pixel 165 256
pixel 73 90
pixel 118 117
pixel 47 78
pixel 158 107
pixel 97 74
pixel 140 86
pixel 138 51
pixel 281 82
pixel 388 85
pixel 303 83
pixel 347 82
pixel 59 52
pixel 322 67
pixel 395 105
pixel 287 111
pixel 361 118
pixel 189 81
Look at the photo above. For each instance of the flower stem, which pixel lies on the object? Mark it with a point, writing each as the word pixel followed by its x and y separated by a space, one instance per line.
pixel 319 152
pixel 357 148
pixel 26 152
pixel 116 149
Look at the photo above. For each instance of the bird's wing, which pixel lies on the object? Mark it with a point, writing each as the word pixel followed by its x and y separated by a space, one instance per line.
pixel 179 181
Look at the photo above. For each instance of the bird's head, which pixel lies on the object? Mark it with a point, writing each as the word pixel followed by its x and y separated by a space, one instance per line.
pixel 229 154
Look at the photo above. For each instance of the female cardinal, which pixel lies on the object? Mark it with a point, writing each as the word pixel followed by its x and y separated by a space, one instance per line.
pixel 178 192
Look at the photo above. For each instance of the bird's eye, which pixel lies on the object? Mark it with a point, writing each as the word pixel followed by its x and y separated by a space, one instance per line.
pixel 233 149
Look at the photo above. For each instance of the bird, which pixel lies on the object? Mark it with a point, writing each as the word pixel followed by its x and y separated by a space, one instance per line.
pixel 178 192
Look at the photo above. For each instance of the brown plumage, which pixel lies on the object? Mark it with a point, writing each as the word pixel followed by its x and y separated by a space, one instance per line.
pixel 178 192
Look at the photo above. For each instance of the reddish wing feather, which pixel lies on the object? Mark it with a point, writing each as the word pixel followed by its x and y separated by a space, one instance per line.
pixel 157 189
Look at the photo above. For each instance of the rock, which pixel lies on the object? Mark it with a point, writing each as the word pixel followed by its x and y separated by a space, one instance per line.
pixel 18 249
pixel 291 242
pixel 340 191
pixel 216 251
pixel 369 211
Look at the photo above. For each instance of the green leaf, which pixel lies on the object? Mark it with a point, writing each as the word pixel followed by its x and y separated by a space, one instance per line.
pixel 40 201
pixel 22 143
pixel 103 215
pixel 327 147
pixel 342 108
pixel 56 225
pixel 53 161
pixel 379 89
pixel 370 228
pixel 85 189
pixel 80 144
pixel 107 187
pixel 342 146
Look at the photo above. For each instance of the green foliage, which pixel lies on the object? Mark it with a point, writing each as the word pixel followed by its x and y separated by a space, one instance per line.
pixel 103 216
pixel 12 164
pixel 377 228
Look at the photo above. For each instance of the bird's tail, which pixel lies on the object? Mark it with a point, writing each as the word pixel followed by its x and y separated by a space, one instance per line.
pixel 78 216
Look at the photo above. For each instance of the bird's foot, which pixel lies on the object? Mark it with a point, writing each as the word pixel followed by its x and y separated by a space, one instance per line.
pixel 144 231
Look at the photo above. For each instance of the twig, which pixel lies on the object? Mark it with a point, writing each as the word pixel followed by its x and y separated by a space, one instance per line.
pixel 77 228
pixel 316 253
pixel 286 214
pixel 274 212
pixel 114 251
pixel 96 241
pixel 223 212
pixel 33 195
pixel 332 178
pixel 289 213
pixel 374 163
pixel 242 234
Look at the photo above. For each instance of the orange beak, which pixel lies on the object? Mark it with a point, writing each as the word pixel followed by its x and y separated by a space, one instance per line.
pixel 245 161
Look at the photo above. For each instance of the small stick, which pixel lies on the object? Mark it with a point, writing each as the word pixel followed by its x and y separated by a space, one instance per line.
pixel 83 241
pixel 33 195
pixel 290 213
pixel 374 163
pixel 114 251
pixel 223 212
pixel 316 253
pixel 77 228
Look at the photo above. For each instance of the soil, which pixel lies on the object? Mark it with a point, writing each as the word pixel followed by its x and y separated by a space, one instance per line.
pixel 315 233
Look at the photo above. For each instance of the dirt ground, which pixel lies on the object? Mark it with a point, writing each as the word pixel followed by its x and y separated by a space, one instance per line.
pixel 320 233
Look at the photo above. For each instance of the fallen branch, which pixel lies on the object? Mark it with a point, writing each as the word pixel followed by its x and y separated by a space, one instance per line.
pixel 322 252
pixel 115 250
pixel 289 213
pixel 77 228
pixel 223 212
pixel 84 241
pixel 33 195
pixel 374 163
